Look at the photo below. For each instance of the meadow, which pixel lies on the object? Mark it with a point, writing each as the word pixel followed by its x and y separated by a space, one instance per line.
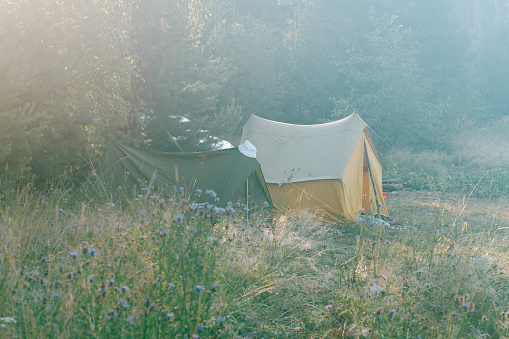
pixel 76 262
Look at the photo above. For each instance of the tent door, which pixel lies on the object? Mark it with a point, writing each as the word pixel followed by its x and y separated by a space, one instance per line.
pixel 369 194
pixel 365 186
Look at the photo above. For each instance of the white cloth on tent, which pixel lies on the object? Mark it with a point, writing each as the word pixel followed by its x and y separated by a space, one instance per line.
pixel 248 149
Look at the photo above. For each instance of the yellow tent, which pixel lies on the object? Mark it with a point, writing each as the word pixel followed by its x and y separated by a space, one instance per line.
pixel 331 169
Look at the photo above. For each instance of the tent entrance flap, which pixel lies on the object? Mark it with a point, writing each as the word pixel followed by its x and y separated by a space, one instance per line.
pixel 370 184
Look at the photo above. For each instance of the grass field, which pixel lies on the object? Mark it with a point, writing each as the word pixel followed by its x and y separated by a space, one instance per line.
pixel 147 266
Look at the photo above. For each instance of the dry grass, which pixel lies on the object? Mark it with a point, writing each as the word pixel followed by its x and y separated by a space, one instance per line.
pixel 288 277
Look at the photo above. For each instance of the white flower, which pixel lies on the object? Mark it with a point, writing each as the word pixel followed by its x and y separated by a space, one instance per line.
pixel 375 289
pixel 8 320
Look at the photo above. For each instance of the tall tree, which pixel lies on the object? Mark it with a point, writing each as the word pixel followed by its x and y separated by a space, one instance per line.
pixel 184 75
pixel 85 62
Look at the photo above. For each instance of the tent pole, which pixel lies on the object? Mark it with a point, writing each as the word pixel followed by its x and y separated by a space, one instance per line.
pixel 247 200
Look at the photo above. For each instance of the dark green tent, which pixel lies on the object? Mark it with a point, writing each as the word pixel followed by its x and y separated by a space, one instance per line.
pixel 233 176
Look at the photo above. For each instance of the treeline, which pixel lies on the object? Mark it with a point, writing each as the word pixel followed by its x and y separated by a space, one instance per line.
pixel 76 75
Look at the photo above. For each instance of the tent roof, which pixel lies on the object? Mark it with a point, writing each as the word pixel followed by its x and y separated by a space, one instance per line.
pixel 224 171
pixel 296 153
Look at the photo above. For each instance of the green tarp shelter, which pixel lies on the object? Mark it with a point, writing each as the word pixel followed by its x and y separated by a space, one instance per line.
pixel 233 176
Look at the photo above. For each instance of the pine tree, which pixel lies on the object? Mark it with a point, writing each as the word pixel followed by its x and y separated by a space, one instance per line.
pixel 21 127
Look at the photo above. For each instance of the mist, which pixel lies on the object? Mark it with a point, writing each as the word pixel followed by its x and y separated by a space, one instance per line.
pixel 79 75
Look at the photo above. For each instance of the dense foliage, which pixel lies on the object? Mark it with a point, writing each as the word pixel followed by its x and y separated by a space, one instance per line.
pixel 76 75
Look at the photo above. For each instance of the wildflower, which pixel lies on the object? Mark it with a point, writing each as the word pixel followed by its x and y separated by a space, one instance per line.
pixel 214 287
pixel 92 251
pixel 90 277
pixel 221 319
pixel 44 259
pixel 112 312
pixel 328 307
pixel 375 289
pixel 201 328
pixel 193 205
pixel 387 242
pixel 218 210
pixel 214 239
pixel 199 288
pixel 465 306
pixel 179 217
pixel 123 289
pixel 211 193
pixel 181 189
pixel 434 307
pixel 454 313
pixel 61 266
pixel 297 329
pixel 111 281
pixel 122 301
pixel 171 285
pixel 195 336
pixel 71 274
pixel 230 210
pixel 471 306
pixel 128 319
pixel 170 316
pixel 104 291
pixel 393 313
pixel 48 310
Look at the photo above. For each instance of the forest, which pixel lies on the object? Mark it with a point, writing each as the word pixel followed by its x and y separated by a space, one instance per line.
pixel 87 253
pixel 80 74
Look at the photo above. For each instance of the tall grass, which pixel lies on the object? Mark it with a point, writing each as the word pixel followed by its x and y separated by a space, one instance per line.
pixel 74 264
